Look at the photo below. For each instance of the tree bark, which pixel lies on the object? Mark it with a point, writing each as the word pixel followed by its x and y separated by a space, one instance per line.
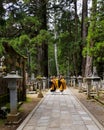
pixel 39 60
pixel 84 31
pixel 55 44
pixel 88 67
pixel 44 48
pixel 56 59
pixel 76 21
pixel 76 36
pixel 89 62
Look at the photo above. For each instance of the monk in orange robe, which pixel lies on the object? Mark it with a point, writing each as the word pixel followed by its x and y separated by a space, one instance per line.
pixel 52 84
pixel 62 84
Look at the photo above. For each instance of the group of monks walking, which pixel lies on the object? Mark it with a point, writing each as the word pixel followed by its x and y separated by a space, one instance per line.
pixel 57 83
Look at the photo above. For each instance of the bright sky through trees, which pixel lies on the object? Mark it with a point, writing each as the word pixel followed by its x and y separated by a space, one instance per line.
pixel 79 5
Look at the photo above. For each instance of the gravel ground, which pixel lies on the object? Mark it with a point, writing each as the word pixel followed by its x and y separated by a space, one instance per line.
pixel 94 107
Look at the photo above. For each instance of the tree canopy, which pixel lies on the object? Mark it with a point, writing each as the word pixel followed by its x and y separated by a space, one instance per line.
pixel 33 28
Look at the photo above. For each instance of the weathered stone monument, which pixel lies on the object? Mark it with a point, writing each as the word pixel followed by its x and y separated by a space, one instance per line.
pixel 79 78
pixel 14 115
pixel 93 82
pixel 88 80
pixel 44 79
pixel 73 80
pixel 40 85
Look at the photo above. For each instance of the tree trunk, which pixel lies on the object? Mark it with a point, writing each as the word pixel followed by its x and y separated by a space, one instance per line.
pixel 84 32
pixel 55 44
pixel 44 47
pixel 24 81
pixel 56 59
pixel 88 67
pixel 76 21
pixel 76 37
pixel 88 70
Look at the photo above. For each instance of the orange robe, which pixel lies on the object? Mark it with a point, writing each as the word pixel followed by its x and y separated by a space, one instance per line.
pixel 53 85
pixel 62 84
pixel 56 80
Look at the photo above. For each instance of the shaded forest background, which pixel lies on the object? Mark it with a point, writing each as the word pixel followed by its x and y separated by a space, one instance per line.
pixel 54 36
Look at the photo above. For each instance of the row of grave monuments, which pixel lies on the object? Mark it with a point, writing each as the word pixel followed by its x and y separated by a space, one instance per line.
pixel 34 84
pixel 88 84
pixel 91 85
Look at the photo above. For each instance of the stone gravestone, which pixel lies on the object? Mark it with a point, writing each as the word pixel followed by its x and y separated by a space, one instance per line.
pixel 44 82
pixel 80 79
pixel 40 85
pixel 73 81
pixel 95 81
pixel 14 115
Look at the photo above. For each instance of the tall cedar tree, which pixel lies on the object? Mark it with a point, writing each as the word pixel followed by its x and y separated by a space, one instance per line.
pixel 84 31
pixel 91 40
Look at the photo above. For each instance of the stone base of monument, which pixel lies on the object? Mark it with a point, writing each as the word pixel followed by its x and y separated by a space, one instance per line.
pixel 13 118
pixel 80 91
pixel 40 95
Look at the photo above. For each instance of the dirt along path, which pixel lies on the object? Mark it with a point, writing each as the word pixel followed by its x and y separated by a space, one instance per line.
pixel 94 107
pixel 25 108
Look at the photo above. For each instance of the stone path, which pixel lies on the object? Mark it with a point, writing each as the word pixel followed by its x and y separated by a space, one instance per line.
pixel 60 112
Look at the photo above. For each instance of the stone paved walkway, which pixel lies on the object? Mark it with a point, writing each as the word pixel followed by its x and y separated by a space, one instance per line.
pixel 59 112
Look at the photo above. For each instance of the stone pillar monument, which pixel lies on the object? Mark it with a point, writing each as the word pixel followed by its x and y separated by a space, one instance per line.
pixel 93 81
pixel 44 79
pixel 88 80
pixel 14 115
pixel 80 83
pixel 96 80
pixel 74 81
pixel 40 86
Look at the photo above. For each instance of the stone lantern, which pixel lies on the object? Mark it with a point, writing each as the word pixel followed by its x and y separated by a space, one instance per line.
pixel 96 80
pixel 44 79
pixel 33 82
pixel 40 85
pixel 79 78
pixel 73 80
pixel 89 81
pixel 14 115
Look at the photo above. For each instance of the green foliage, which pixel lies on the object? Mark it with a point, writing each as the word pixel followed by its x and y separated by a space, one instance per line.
pixel 68 49
pixel 98 52
pixel 26 1
pixel 23 29
pixel 95 38
pixel 31 25
pixel 24 40
pixel 1 47
pixel 43 37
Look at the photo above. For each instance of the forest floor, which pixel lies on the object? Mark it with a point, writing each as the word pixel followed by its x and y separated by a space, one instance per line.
pixel 94 107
